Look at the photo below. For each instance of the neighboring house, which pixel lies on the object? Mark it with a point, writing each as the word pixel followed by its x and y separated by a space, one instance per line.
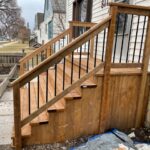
pixel 39 18
pixel 97 10
pixel 53 20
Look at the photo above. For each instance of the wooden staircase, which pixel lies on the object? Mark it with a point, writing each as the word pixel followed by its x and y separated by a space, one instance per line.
pixel 51 125
pixel 66 93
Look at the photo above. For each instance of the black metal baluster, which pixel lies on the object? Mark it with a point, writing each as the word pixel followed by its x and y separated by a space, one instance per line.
pixel 54 48
pixel 63 41
pixel 85 47
pixel 46 86
pixel 95 59
pixel 122 44
pixel 129 39
pixel 38 92
pixel 116 38
pixel 135 39
pixel 55 91
pixel 28 64
pixel 59 45
pixel 37 61
pixel 80 62
pixel 41 57
pixel 32 63
pixel 29 98
pixel 142 38
pixel 72 62
pixel 64 68
pixel 88 56
pixel 103 45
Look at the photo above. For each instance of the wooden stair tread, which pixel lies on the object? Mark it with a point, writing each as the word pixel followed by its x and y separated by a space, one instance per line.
pixel 60 104
pixel 26 131
pixel 84 62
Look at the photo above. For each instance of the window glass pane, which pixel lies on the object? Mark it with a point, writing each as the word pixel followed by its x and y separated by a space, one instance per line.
pixel 84 10
pixel 50 29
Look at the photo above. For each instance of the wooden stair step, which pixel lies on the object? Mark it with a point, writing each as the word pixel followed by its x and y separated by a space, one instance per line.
pixel 88 83
pixel 26 131
pixel 60 105
pixel 43 117
pixel 73 95
pixel 84 62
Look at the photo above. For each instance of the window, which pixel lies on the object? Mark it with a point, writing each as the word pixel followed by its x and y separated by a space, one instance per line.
pixel 50 29
pixel 121 18
pixel 82 10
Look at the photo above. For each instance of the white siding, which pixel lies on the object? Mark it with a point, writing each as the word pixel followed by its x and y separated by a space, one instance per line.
pixel 69 11
pixel 133 34
pixel 59 21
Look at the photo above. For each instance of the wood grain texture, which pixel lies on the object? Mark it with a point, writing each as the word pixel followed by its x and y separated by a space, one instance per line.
pixel 105 111
pixel 145 64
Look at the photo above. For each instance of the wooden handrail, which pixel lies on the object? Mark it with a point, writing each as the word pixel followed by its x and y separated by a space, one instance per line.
pixel 28 76
pixel 81 24
pixel 131 9
pixel 37 51
pixel 130 6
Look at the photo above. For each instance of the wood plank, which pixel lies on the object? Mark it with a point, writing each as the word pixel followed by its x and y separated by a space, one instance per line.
pixel 130 6
pixel 81 24
pixel 121 71
pixel 105 111
pixel 59 96
pixel 145 63
pixel 126 65
pixel 17 117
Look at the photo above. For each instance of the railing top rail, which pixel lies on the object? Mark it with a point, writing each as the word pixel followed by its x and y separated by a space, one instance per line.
pixel 44 46
pixel 123 5
pixel 43 66
pixel 82 24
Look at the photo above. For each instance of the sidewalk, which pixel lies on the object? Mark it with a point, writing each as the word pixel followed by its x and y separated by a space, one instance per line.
pixel 6 117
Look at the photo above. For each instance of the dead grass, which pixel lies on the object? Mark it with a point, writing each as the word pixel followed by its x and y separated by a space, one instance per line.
pixel 15 47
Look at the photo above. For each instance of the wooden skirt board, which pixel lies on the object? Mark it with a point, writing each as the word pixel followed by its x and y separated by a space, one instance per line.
pixel 80 109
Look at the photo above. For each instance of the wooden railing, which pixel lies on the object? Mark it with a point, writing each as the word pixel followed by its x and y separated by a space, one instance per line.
pixel 54 45
pixel 106 29
pixel 40 54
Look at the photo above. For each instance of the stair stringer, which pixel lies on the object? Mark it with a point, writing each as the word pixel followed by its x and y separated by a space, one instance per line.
pixel 79 118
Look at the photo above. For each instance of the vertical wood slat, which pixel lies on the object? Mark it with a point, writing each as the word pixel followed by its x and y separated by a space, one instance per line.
pixel 145 63
pixel 17 117
pixel 92 47
pixel 48 52
pixel 21 69
pixel 105 111
pixel 71 31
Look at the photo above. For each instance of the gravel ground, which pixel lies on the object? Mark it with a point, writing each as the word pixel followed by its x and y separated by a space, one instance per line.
pixel 58 146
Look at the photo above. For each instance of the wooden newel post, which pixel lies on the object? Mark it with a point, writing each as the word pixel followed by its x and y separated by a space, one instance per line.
pixel 105 104
pixel 140 107
pixel 17 117
pixel 71 31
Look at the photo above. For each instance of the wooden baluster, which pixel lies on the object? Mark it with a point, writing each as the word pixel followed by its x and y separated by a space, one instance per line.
pixel 105 108
pixel 71 31
pixel 17 116
pixel 21 71
pixel 91 47
pixel 140 107
pixel 48 51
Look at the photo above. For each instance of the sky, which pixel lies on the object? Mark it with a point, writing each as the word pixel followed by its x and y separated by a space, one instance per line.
pixel 30 8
